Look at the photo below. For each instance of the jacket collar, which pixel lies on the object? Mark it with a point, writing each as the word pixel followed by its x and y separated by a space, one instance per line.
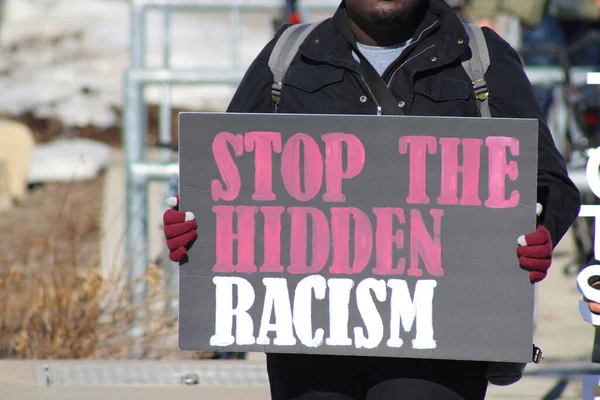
pixel 333 41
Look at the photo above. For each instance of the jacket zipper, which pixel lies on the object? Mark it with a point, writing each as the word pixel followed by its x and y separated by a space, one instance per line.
pixel 417 55
pixel 372 95
pixel 396 70
pixel 404 63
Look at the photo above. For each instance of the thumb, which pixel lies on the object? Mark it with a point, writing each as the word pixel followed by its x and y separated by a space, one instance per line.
pixel 173 202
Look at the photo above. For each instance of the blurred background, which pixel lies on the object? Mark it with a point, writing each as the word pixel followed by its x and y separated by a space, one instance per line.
pixel 89 96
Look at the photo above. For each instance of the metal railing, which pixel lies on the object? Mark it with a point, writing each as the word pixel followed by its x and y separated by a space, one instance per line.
pixel 140 171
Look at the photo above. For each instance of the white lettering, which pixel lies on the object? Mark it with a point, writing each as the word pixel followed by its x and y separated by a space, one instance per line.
pixel 224 312
pixel 292 324
pixel 303 309
pixel 277 298
pixel 591 171
pixel 368 312
pixel 406 310
pixel 339 301
pixel 589 293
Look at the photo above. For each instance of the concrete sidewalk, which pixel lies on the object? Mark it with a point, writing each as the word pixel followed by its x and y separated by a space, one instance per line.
pixel 19 381
pixel 561 333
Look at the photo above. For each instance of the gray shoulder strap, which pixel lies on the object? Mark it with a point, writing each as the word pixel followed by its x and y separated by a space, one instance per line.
pixel 284 52
pixel 477 66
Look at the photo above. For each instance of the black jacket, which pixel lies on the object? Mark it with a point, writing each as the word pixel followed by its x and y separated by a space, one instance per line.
pixel 427 79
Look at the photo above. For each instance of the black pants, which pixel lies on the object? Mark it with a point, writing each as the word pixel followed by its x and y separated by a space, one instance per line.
pixel 308 377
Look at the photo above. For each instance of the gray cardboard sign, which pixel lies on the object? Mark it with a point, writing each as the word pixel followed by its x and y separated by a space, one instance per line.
pixel 358 235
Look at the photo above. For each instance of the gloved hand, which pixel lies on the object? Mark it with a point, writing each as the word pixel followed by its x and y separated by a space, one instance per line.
pixel 535 251
pixel 592 305
pixel 179 229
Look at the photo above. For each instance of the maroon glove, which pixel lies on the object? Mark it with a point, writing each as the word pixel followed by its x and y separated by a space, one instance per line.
pixel 535 253
pixel 179 229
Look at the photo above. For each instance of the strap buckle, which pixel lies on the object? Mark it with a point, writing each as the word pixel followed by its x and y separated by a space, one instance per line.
pixel 481 89
pixel 276 91
pixel 537 354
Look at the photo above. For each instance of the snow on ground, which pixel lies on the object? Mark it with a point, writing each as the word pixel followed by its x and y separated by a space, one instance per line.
pixel 66 58
pixel 68 160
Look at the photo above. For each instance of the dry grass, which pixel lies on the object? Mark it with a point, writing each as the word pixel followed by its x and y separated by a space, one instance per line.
pixel 63 314
pixel 54 302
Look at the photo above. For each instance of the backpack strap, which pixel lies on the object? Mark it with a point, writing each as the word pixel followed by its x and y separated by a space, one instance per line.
pixel 477 66
pixel 284 52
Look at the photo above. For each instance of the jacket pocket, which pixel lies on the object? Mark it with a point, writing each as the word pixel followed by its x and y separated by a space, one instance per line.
pixel 436 96
pixel 313 89
pixel 443 89
pixel 311 78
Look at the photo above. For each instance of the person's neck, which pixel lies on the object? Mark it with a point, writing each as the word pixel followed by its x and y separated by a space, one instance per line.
pixel 372 34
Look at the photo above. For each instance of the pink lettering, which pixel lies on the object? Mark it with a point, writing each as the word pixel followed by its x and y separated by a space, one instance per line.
pixel 244 237
pixel 499 169
pixel 227 167
pixel 469 169
pixel 298 242
pixel 417 147
pixel 263 144
pixel 334 171
pixel 384 239
pixel 313 167
pixel 429 247
pixel 272 239
pixel 363 240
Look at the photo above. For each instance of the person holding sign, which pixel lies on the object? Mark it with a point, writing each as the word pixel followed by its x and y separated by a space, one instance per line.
pixel 378 57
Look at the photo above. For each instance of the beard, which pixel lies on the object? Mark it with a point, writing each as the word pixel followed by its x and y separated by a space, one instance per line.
pixel 397 11
pixel 387 17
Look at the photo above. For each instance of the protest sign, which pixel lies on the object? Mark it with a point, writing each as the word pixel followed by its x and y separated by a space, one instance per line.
pixel 358 235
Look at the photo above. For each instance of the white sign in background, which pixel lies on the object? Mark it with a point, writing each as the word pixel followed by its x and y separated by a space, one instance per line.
pixel 592 211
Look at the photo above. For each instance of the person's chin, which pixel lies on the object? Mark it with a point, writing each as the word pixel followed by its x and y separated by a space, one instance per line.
pixel 387 15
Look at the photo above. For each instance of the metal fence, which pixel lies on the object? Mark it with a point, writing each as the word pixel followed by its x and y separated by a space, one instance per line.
pixel 140 170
